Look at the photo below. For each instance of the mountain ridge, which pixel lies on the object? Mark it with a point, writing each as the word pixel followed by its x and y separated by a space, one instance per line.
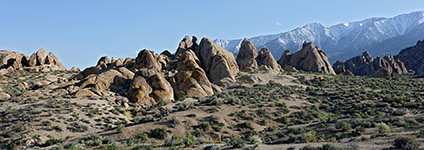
pixel 343 40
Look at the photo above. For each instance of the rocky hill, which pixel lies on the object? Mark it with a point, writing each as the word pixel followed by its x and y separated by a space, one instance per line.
pixel 413 57
pixel 309 58
pixel 201 97
pixel 365 65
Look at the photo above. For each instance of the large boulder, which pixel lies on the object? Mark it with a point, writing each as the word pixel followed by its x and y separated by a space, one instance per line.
pixel 139 92
pixel 266 61
pixel 42 60
pixel 146 60
pixel 309 58
pixel 413 57
pixel 108 79
pixel 365 65
pixel 187 44
pixel 246 58
pixel 11 60
pixel 191 79
pixel 103 62
pixel 217 62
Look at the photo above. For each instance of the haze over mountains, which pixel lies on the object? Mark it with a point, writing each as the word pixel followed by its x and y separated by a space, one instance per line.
pixel 379 36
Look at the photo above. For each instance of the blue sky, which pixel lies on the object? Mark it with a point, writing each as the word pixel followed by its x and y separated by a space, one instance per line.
pixel 79 32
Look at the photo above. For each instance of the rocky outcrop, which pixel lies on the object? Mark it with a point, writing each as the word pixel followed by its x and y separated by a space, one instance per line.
pixel 246 58
pixel 365 65
pixel 146 60
pixel 267 62
pixel 187 44
pixel 413 57
pixel 309 58
pixel 10 60
pixel 149 78
pixel 217 62
pixel 191 79
pixel 139 92
pixel 39 61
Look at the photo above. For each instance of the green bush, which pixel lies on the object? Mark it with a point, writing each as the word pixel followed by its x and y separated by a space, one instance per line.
pixel 406 143
pixel 309 137
pixel 383 128
pixel 158 133
pixel 174 140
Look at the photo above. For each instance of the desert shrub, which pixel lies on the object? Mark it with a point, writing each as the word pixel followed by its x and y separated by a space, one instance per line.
pixel 204 126
pixel 75 127
pixel 190 140
pixel 173 140
pixel 174 121
pixel 144 119
pixel 212 147
pixel 93 142
pixel 158 133
pixel 107 140
pixel 142 137
pixel 49 142
pixel 256 139
pixel 309 137
pixel 343 126
pixel 406 143
pixel 236 143
pixel 143 147
pixel 420 133
pixel 383 128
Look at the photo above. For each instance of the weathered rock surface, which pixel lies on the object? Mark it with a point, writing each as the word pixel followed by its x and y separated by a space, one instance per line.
pixel 365 65
pixel 146 60
pixel 84 93
pixel 191 79
pixel 217 62
pixel 413 57
pixel 39 61
pixel 309 58
pixel 10 60
pixel 4 96
pixel 139 92
pixel 266 61
pixel 246 58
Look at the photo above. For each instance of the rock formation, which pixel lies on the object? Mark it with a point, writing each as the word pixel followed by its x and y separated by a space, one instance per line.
pixel 309 58
pixel 246 58
pixel 217 62
pixel 365 65
pixel 413 57
pixel 39 61
pixel 266 61
pixel 191 79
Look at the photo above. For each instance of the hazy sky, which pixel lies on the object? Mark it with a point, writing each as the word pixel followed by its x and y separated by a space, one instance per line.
pixel 79 32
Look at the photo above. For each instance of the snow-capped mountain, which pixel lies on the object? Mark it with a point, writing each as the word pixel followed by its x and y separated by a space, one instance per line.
pixel 379 36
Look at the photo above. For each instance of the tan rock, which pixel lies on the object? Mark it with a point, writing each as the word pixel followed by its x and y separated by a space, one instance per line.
pixel 191 79
pixel 105 79
pixel 139 92
pixel 4 96
pixel 267 61
pixel 217 62
pixel 246 58
pixel 128 74
pixel 90 70
pixel 309 58
pixel 103 62
pixel 162 89
pixel 84 93
pixel 146 60
pixel 23 85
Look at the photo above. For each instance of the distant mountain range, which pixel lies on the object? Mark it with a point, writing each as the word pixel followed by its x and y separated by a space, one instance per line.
pixel 379 36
